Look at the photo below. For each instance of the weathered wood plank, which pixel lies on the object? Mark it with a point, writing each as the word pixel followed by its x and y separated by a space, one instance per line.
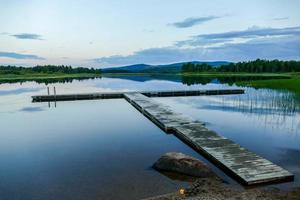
pixel 246 166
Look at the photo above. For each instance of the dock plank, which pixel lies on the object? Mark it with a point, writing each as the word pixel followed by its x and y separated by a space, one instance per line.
pixel 243 164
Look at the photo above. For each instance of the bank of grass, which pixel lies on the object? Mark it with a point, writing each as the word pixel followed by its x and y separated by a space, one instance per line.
pixel 279 81
pixel 229 74
pixel 292 84
pixel 42 76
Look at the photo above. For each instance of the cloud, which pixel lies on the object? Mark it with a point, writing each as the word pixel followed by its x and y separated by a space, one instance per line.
pixel 250 33
pixel 283 48
pixel 20 56
pixel 189 22
pixel 252 43
pixel 150 56
pixel 28 36
pixel 148 30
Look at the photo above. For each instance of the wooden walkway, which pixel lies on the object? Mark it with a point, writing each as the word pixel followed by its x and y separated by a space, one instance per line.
pixel 115 95
pixel 239 162
pixel 244 165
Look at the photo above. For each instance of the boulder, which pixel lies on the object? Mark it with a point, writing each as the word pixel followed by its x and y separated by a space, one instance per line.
pixel 184 164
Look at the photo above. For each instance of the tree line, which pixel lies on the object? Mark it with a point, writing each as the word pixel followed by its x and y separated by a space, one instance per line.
pixel 256 66
pixel 47 69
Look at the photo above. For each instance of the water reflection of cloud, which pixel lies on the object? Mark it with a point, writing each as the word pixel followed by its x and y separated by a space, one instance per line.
pixel 262 101
pixel 276 111
pixel 118 84
pixel 31 109
pixel 18 91
pixel 266 111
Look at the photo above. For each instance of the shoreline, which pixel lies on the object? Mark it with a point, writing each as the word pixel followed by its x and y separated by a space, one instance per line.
pixel 46 76
pixel 280 81
pixel 215 188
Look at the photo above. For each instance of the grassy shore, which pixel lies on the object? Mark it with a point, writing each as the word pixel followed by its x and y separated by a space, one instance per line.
pixel 41 76
pixel 292 84
pixel 228 74
pixel 279 81
pixel 208 74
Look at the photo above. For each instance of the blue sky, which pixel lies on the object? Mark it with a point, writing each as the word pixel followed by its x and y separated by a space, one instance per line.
pixel 121 32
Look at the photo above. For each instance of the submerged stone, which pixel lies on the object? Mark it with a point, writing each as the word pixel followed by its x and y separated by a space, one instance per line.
pixel 184 164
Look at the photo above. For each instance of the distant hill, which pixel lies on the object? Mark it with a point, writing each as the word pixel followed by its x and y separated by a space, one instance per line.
pixel 169 68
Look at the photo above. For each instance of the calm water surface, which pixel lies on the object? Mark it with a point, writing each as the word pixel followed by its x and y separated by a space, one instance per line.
pixel 104 149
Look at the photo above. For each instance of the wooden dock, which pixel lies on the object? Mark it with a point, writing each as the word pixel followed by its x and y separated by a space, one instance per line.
pixel 244 165
pixel 117 95
pixel 237 161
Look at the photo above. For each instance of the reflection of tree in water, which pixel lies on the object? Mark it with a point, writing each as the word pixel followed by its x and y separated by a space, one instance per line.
pixel 50 80
pixel 277 109
pixel 192 80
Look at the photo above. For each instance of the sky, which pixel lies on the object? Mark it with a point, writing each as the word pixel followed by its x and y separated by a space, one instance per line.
pixel 100 34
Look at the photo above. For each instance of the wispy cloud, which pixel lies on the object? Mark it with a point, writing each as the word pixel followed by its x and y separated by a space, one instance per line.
pixel 28 36
pixel 4 33
pixel 283 48
pixel 20 56
pixel 250 33
pixel 193 21
pixel 280 18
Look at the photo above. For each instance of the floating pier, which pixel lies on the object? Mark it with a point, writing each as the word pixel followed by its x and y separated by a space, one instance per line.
pixel 118 95
pixel 244 165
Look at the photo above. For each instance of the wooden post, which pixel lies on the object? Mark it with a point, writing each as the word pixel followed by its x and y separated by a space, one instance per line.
pixel 48 91
pixel 54 90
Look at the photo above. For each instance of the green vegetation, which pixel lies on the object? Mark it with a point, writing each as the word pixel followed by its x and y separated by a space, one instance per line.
pixel 46 69
pixel 292 84
pixel 191 80
pixel 240 74
pixel 46 72
pixel 273 74
pixel 257 66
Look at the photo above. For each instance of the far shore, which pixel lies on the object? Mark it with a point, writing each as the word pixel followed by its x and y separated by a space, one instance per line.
pixel 34 76
pixel 284 81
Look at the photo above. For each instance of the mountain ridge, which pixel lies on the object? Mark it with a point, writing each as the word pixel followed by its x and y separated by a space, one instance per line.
pixel 166 68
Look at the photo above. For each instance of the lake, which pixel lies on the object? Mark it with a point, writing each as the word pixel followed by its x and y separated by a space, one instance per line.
pixel 104 149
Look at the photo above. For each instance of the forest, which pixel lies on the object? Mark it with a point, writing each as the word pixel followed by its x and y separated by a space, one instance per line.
pixel 257 66
pixel 47 69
